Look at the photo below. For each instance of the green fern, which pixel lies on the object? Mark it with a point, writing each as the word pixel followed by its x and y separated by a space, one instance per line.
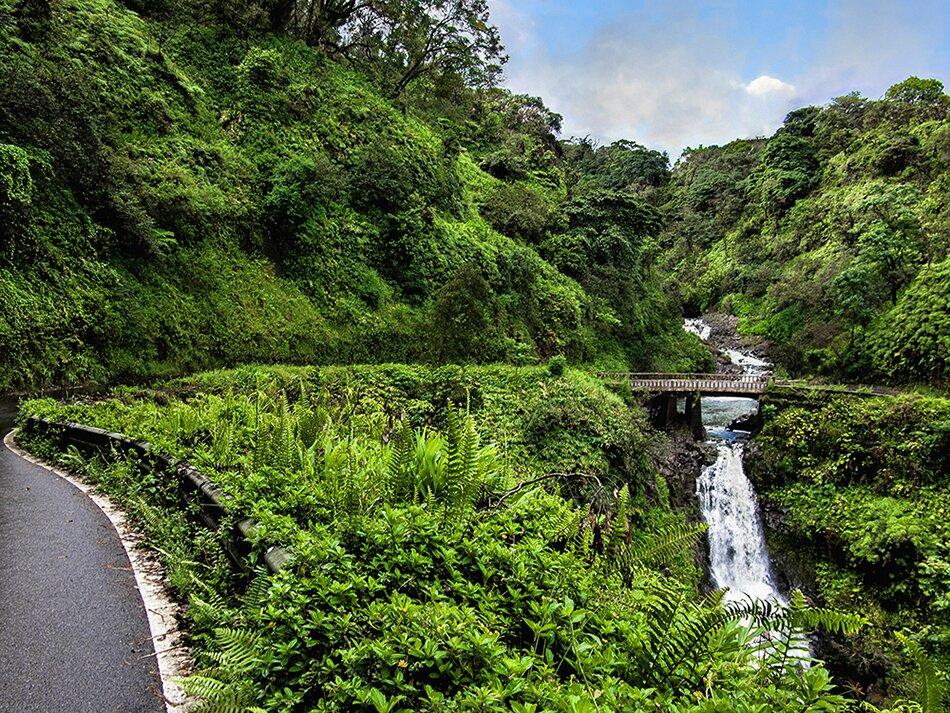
pixel 256 594
pixel 236 651
pixel 219 697
pixel 398 468
pixel 932 693
pixel 650 549
pixel 227 687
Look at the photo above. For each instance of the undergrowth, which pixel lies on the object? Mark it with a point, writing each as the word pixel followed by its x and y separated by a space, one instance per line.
pixel 430 571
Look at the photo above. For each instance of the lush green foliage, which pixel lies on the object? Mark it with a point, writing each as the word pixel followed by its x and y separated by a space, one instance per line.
pixel 827 238
pixel 435 571
pixel 183 188
pixel 863 488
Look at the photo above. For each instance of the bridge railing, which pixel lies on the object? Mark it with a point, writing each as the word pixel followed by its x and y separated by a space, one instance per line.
pixel 658 376
pixel 742 383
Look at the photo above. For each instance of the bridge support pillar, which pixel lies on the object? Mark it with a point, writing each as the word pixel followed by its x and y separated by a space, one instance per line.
pixel 694 416
pixel 663 410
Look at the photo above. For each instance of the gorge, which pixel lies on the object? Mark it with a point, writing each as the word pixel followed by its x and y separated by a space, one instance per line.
pixel 739 560
pixel 404 325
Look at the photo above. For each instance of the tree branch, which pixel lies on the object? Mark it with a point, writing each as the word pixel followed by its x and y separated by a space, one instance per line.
pixel 534 481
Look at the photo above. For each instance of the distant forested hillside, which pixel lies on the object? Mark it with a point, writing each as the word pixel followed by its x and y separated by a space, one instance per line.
pixel 186 184
pixel 830 238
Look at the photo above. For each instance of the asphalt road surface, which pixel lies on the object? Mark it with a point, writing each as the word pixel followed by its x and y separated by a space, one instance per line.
pixel 74 636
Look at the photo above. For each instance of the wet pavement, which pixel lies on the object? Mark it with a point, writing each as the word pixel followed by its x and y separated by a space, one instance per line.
pixel 74 637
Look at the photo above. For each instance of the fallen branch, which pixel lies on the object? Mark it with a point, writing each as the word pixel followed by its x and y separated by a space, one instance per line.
pixel 534 481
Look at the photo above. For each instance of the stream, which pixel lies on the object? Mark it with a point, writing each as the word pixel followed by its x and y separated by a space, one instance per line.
pixel 739 560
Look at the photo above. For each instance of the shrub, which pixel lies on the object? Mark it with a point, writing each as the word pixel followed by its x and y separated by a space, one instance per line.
pixel 520 213
pixel 464 315
pixel 423 575
pixel 16 193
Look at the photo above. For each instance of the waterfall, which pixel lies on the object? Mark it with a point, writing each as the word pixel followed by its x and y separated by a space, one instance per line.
pixel 738 558
pixel 697 327
pixel 728 503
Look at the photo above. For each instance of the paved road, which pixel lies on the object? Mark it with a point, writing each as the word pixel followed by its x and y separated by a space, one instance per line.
pixel 74 636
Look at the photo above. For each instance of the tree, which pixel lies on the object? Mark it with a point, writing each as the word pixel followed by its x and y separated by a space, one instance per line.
pixel 319 23
pixel 802 122
pixel 521 134
pixel 404 40
pixel 920 98
pixel 841 122
pixel 527 115
pixel 419 38
pixel 300 188
pixel 620 166
pixel 789 171
pixel 912 341
pixel 888 244
pixel 463 318
pixel 520 213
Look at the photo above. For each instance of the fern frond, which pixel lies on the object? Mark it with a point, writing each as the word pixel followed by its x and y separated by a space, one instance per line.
pixel 931 689
pixel 659 547
pixel 237 650
pixel 256 593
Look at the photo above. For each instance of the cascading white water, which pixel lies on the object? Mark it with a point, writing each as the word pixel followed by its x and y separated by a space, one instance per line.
pixel 739 560
pixel 748 363
pixel 697 327
pixel 738 557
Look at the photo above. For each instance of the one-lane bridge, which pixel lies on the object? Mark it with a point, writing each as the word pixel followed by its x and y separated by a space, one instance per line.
pixel 704 384
pixel 664 390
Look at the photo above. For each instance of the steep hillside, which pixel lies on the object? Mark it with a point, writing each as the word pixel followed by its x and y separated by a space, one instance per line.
pixel 180 191
pixel 857 492
pixel 829 239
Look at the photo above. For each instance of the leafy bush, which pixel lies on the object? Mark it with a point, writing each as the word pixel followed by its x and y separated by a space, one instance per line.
pixel 556 365
pixel 424 575
pixel 520 213
pixel 911 342
pixel 862 485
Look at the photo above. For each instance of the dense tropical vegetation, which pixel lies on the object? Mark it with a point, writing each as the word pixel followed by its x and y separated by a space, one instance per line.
pixel 183 186
pixel 434 570
pixel 830 239
pixel 861 486
pixel 475 521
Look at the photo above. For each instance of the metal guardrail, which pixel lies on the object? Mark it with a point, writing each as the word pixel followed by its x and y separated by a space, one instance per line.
pixel 194 487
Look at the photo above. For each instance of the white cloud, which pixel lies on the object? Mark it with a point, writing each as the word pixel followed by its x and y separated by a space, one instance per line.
pixel 763 85
pixel 673 74
pixel 633 80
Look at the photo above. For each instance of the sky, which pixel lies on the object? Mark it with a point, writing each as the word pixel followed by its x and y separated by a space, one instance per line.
pixel 682 73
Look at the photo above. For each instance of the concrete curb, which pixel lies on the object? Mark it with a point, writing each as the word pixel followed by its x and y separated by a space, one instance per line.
pixel 193 486
pixel 161 609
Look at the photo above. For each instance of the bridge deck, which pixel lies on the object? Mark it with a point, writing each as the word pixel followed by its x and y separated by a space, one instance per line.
pixel 721 384
pixel 733 384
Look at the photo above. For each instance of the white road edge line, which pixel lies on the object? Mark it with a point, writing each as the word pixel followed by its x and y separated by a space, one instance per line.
pixel 173 658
